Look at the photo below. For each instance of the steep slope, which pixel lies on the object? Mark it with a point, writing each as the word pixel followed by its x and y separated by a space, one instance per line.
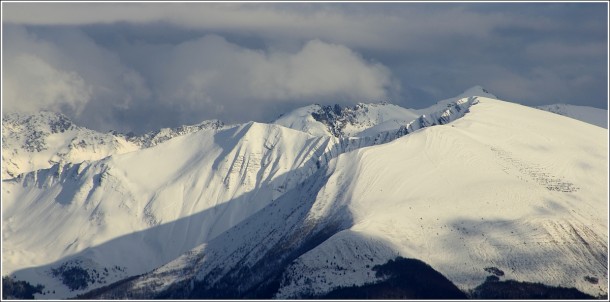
pixel 132 212
pixel 591 115
pixel 505 188
pixel 32 142
pixel 535 205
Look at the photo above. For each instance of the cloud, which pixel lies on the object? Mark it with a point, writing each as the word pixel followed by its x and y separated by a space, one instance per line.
pixel 412 26
pixel 553 50
pixel 63 69
pixel 278 22
pixel 210 77
pixel 33 85
pixel 212 68
pixel 34 79
pixel 141 66
pixel 79 13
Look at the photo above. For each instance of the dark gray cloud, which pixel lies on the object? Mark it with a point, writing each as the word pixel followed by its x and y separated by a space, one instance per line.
pixel 141 66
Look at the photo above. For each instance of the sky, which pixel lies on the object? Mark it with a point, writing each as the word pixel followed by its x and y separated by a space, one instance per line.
pixel 137 67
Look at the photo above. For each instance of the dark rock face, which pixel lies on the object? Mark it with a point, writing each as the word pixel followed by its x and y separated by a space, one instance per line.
pixel 35 141
pixel 60 124
pixel 335 118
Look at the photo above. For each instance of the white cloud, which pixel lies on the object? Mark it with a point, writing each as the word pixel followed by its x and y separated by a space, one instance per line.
pixel 31 84
pixel 212 68
pixel 202 78
pixel 161 66
pixel 212 76
pixel 327 69
pixel 373 26
pixel 66 71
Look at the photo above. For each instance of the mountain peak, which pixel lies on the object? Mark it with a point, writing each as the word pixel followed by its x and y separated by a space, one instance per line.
pixel 362 119
pixel 477 90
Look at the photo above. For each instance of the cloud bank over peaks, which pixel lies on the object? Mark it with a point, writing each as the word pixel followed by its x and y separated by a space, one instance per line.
pixel 62 69
pixel 210 69
pixel 31 84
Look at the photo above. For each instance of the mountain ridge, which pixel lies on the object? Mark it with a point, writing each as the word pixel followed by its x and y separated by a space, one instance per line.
pixel 37 141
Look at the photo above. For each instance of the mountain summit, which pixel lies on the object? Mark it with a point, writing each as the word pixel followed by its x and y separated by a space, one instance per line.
pixel 477 90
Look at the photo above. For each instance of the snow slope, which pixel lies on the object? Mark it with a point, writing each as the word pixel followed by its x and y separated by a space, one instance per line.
pixel 141 209
pixel 591 115
pixel 535 206
pixel 505 186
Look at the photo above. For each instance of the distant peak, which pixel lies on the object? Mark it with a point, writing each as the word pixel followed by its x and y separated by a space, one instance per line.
pixel 477 90
pixel 376 103
pixel 40 121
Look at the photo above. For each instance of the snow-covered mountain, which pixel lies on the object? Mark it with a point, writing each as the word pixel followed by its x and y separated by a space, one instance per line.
pixel 38 141
pixel 506 188
pixel 201 184
pixel 591 115
pixel 33 142
pixel 311 203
